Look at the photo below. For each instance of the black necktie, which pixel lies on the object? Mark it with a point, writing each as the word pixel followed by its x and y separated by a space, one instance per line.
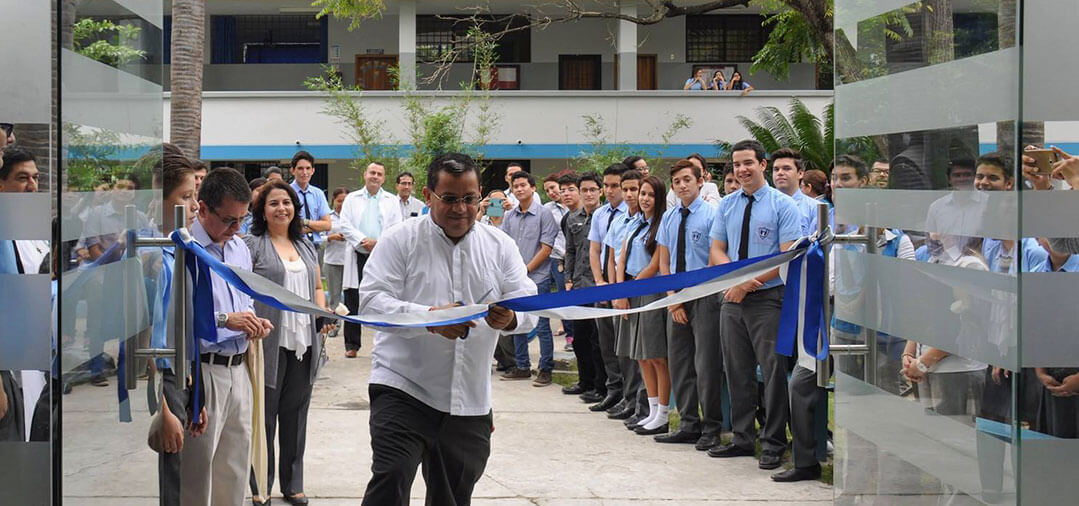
pixel 629 243
pixel 743 243
pixel 680 252
pixel 18 259
pixel 603 268
pixel 307 214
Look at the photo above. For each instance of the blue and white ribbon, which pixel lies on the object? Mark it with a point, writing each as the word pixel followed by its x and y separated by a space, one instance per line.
pixel 802 304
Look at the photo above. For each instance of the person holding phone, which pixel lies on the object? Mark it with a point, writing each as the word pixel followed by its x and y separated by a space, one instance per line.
pixel 697 82
pixel 719 83
pixel 493 208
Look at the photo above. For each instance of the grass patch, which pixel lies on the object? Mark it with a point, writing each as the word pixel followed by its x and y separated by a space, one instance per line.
pixel 564 378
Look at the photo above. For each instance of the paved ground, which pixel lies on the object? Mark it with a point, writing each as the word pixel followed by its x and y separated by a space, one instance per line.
pixel 547 449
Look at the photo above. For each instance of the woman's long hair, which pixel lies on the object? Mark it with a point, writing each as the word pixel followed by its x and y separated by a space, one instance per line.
pixel 736 81
pixel 660 206
pixel 817 180
pixel 258 213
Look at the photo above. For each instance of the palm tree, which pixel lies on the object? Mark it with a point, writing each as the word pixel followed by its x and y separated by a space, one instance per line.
pixel 803 131
pixel 188 39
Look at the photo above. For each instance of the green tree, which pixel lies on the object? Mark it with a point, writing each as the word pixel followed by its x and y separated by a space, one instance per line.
pixel 106 42
pixel 602 151
pixel 802 130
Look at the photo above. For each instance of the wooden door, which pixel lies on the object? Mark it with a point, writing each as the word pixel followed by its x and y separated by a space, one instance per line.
pixel 646 72
pixel 373 72
pixel 579 72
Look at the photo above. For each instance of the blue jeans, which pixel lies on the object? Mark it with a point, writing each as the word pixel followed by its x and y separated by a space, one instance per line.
pixel 543 331
pixel 559 279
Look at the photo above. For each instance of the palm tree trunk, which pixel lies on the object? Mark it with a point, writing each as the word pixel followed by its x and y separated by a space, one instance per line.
pixel 1033 132
pixel 188 40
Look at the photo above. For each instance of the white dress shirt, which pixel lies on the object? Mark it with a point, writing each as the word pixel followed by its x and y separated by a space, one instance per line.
pixel 32 253
pixel 412 205
pixel 352 211
pixel 709 194
pixel 416 267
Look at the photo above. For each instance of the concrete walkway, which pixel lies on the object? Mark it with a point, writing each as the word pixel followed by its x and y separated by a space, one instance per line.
pixel 547 449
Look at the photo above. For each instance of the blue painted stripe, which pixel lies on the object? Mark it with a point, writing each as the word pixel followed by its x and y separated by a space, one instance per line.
pixel 1068 147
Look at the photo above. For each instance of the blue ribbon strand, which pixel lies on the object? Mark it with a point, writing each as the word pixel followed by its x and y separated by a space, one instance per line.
pixel 812 319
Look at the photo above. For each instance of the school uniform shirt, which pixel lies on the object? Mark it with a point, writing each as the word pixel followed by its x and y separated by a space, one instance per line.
pixel 616 237
pixel 638 257
pixel 602 221
pixel 313 206
pixel 411 207
pixel 416 267
pixel 808 207
pixel 365 215
pixel 1035 258
pixel 227 299
pixel 31 254
pixel 698 224
pixel 775 219
pixel 956 216
pixel 558 251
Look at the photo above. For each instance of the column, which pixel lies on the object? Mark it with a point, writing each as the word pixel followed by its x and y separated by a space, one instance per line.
pixel 406 43
pixel 627 47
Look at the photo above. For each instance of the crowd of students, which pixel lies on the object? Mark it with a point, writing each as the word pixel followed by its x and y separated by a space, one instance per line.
pixel 628 222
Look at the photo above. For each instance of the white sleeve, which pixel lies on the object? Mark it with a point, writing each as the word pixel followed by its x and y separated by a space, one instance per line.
pixel 383 276
pixel 349 215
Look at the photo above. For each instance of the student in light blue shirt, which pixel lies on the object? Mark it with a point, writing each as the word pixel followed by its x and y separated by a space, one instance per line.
pixel 754 221
pixel 632 387
pixel 598 253
pixel 787 172
pixel 314 208
pixel 649 336
pixel 693 350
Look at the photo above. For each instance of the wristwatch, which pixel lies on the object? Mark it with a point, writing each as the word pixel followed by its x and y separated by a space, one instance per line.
pixel 222 319
pixel 307 223
pixel 921 366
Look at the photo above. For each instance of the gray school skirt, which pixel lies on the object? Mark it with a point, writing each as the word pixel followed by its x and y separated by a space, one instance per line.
pixel 650 330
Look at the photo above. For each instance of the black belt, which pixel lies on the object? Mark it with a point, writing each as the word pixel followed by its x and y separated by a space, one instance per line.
pixel 229 360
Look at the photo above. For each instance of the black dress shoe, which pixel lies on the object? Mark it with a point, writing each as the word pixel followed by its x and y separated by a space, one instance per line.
pixel 626 412
pixel 678 436
pixel 617 408
pixel 730 450
pixel 257 502
pixel 770 460
pixel 574 389
pixel 798 474
pixel 591 397
pixel 634 421
pixel 296 501
pixel 706 442
pixel 607 403
pixel 662 429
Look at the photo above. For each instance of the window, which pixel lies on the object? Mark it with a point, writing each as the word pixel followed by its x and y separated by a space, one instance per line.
pixel 438 35
pixel 724 38
pixel 268 39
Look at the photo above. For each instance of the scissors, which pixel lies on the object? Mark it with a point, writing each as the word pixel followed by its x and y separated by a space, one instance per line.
pixel 481 297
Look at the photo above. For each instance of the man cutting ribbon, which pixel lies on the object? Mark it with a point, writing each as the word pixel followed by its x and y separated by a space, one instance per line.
pixel 429 387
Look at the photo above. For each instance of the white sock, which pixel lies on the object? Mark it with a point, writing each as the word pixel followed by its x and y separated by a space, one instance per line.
pixel 653 402
pixel 660 419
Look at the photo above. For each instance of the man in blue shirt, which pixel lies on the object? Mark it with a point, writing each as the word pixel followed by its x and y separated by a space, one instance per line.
pixel 599 253
pixel 314 209
pixel 534 229
pixel 754 221
pixel 787 172
pixel 635 406
pixel 214 467
pixel 693 344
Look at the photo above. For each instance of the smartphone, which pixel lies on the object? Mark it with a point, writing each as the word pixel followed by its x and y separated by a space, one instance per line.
pixel 1043 160
pixel 495 209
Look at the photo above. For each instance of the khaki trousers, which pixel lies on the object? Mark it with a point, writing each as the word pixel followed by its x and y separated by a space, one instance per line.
pixel 215 466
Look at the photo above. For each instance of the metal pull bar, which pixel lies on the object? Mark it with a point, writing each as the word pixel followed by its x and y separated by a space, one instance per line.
pixel 131 341
pixel 179 302
pixel 824 366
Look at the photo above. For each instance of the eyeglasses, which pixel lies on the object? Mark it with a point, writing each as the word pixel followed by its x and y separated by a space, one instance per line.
pixel 7 128
pixel 229 222
pixel 452 200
